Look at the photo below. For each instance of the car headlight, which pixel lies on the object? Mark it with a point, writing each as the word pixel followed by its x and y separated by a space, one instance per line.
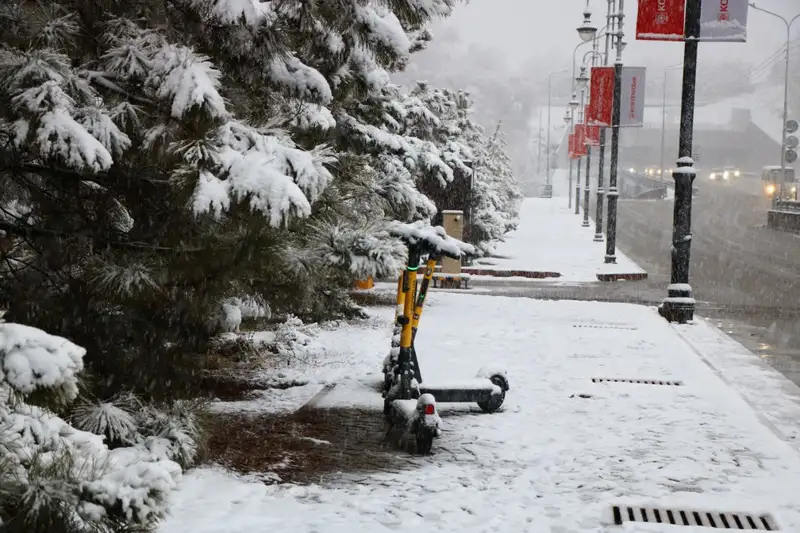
pixel 712 176
pixel 737 173
pixel 725 176
pixel 770 189
pixel 794 190
pixel 631 170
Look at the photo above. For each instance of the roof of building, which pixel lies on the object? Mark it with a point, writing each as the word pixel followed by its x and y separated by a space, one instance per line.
pixel 764 107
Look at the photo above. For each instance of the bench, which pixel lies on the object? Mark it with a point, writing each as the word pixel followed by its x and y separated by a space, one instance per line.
pixel 450 281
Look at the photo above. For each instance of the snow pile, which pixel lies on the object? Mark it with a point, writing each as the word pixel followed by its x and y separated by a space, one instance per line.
pixel 30 359
pixel 291 336
pixel 48 466
pixel 311 357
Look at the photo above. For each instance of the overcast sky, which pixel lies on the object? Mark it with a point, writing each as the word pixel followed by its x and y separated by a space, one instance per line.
pixel 542 33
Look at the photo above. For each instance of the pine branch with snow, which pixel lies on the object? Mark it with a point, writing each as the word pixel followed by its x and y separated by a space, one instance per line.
pixel 363 251
pixel 55 477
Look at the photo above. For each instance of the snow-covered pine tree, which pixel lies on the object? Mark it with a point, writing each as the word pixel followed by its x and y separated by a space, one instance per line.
pixel 142 175
pixel 158 158
pixel 446 118
pixel 355 46
pixel 497 197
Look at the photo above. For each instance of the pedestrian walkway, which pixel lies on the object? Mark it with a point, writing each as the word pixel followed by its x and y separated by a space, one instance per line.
pixel 550 242
pixel 609 406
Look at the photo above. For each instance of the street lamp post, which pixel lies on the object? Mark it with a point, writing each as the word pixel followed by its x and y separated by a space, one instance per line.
pixel 580 159
pixel 598 232
pixel 584 83
pixel 613 193
pixel 788 24
pixel 539 148
pixel 573 105
pixel 588 34
pixel 586 188
pixel 679 304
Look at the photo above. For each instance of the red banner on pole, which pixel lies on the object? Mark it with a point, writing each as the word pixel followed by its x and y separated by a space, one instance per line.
pixel 580 140
pixel 661 20
pixel 592 132
pixel 593 135
pixel 601 101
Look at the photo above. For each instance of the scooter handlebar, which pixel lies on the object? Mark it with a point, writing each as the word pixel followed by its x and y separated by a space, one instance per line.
pixel 431 240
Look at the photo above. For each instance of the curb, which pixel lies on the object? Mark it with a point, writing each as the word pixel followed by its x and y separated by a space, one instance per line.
pixel 316 399
pixel 735 385
pixel 535 274
pixel 543 274
pixel 637 276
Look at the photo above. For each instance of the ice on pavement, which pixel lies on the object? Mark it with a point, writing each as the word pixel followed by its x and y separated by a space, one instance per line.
pixel 560 452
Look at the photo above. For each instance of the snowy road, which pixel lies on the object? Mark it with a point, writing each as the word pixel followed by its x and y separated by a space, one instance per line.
pixel 735 260
pixel 746 275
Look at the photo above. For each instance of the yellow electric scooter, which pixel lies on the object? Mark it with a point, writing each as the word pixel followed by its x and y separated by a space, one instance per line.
pixel 408 399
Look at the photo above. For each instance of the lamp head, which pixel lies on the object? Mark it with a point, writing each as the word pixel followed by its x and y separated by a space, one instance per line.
pixel 587 31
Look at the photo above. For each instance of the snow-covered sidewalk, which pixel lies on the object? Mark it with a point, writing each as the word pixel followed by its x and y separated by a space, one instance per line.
pixel 550 239
pixel 565 448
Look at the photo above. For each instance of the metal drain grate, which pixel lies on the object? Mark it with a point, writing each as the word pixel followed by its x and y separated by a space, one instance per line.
pixel 604 326
pixel 682 517
pixel 638 381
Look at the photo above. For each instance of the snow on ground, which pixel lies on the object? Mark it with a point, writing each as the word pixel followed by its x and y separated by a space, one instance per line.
pixel 550 238
pixel 561 451
pixel 765 388
pixel 329 357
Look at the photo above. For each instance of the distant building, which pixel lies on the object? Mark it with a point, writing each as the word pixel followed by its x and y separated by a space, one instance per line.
pixel 722 136
pixel 743 132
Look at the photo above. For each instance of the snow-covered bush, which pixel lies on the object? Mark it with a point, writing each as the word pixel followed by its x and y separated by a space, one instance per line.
pixel 171 431
pixel 291 336
pixel 54 477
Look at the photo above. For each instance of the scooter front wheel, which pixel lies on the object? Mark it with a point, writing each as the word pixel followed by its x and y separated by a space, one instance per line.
pixel 495 401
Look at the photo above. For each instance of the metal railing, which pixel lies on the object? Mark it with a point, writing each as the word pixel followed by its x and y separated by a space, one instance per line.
pixel 792 206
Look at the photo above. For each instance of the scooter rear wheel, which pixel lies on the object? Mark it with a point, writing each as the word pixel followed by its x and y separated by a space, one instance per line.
pixel 424 444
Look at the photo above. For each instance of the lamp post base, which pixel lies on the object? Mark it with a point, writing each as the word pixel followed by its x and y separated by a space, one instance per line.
pixel 547 191
pixel 598 237
pixel 611 259
pixel 679 304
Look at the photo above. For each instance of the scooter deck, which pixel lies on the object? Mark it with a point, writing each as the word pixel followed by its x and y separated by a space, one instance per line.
pixel 467 391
